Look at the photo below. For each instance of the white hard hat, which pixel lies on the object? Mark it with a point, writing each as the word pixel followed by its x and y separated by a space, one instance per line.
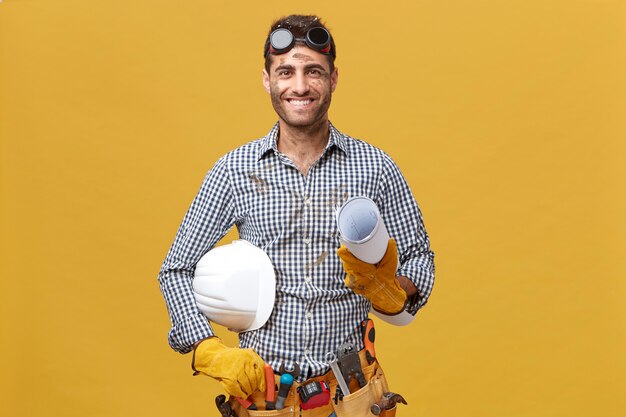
pixel 234 285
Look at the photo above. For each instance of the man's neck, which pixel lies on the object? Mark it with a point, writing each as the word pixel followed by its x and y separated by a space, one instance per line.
pixel 303 145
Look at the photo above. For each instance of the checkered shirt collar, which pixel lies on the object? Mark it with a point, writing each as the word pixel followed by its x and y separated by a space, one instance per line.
pixel 269 142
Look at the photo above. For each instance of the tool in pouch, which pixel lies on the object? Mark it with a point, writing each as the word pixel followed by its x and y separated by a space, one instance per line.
pixel 223 406
pixel 350 364
pixel 346 366
pixel 369 335
pixel 247 404
pixel 331 358
pixel 388 399
pixel 350 360
pixel 387 402
pixel 314 394
pixel 287 376
pixel 270 390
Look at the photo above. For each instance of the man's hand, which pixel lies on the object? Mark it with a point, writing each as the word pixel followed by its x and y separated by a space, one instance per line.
pixel 377 282
pixel 240 371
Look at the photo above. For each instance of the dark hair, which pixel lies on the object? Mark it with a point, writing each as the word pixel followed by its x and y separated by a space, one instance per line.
pixel 298 25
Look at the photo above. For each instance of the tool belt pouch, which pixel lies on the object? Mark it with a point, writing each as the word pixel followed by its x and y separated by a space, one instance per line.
pixel 359 403
pixel 288 411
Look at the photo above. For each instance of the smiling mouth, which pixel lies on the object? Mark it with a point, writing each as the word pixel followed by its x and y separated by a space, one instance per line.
pixel 300 102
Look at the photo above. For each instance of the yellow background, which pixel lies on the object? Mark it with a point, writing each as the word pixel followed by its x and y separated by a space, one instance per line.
pixel 507 118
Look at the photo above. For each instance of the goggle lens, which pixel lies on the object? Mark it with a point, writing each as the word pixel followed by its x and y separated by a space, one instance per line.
pixel 282 40
pixel 318 37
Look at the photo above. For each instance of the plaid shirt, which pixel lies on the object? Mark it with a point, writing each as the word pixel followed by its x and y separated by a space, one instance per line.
pixel 292 217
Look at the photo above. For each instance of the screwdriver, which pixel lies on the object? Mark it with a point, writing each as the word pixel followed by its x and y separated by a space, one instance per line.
pixel 286 381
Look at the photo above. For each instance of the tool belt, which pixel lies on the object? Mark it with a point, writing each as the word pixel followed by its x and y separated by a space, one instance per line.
pixel 357 404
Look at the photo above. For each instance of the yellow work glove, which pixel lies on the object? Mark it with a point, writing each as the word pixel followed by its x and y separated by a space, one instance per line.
pixel 378 282
pixel 240 371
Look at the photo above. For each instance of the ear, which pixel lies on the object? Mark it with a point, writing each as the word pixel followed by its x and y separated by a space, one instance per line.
pixel 266 81
pixel 334 77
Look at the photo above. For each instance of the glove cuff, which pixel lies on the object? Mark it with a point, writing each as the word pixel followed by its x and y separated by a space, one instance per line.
pixel 391 313
pixel 391 299
pixel 203 354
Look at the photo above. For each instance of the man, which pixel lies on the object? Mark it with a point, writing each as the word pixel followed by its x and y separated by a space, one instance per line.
pixel 282 192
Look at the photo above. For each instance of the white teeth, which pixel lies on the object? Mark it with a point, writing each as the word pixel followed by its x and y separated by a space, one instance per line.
pixel 300 102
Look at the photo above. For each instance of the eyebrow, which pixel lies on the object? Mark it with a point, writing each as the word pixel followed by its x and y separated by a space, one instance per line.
pixel 315 65
pixel 283 67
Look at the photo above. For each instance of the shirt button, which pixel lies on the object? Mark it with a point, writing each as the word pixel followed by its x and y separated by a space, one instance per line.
pixel 307 278
pixel 307 351
pixel 307 201
pixel 307 240
pixel 309 315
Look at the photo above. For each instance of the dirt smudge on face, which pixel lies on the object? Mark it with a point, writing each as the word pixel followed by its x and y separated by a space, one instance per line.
pixel 303 57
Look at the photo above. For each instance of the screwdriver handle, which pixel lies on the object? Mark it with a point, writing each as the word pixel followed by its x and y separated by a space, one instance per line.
pixel 286 381
pixel 247 404
pixel 270 388
pixel 369 335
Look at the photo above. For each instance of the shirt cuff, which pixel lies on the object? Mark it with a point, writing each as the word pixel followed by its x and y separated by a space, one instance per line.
pixel 414 303
pixel 188 331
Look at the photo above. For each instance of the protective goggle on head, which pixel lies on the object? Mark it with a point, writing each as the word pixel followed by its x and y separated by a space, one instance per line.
pixel 282 40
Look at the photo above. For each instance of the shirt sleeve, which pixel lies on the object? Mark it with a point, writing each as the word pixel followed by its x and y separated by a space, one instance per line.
pixel 404 223
pixel 207 220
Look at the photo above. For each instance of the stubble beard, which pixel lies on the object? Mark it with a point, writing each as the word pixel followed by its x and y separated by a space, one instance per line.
pixel 318 117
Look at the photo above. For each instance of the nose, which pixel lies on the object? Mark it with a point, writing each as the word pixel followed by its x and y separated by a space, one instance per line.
pixel 300 84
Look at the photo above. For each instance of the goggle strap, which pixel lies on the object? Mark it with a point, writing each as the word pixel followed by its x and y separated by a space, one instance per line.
pixel 326 49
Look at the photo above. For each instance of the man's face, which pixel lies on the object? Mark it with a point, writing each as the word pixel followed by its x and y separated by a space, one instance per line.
pixel 301 85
